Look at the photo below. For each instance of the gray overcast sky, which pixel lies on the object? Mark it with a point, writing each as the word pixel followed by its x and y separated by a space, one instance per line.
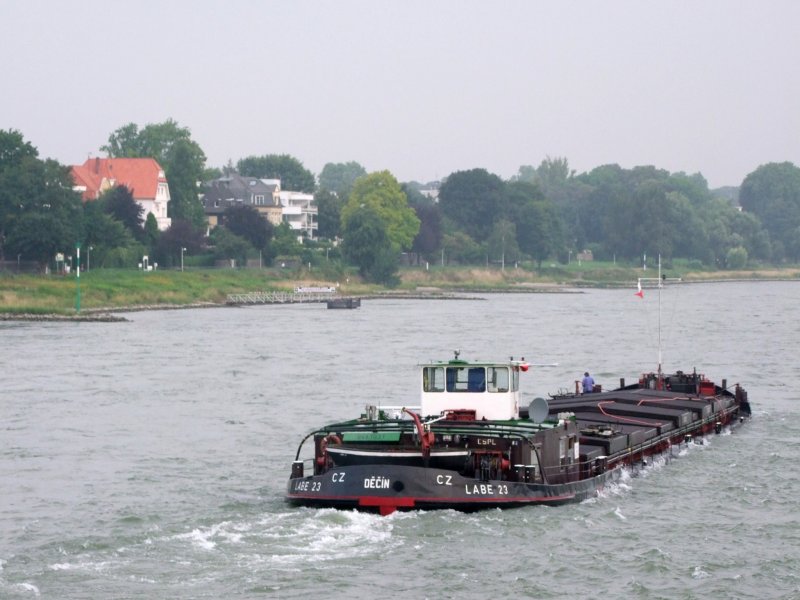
pixel 421 88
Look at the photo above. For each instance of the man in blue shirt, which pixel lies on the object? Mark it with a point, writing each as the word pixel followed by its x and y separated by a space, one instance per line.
pixel 588 383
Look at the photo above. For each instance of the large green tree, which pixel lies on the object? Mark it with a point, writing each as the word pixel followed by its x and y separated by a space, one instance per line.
pixel 293 175
pixel 717 228
pixel 181 234
pixel 501 245
pixel 552 173
pixel 154 140
pixel 559 184
pixel 329 214
pixel 628 212
pixel 538 230
pixel 755 237
pixel 119 203
pixel 368 245
pixel 246 222
pixel 178 154
pixel 473 200
pixel 647 225
pixel 19 166
pixel 340 177
pixel 39 236
pixel 151 231
pixel 772 193
pixel 519 193
pixel 459 248
pixel 184 170
pixel 229 246
pixel 382 193
pixel 689 233
pixel 40 214
pixel 103 233
pixel 284 242
pixel 538 225
pixel 429 239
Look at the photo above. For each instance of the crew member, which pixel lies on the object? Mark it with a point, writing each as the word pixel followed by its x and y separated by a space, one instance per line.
pixel 588 383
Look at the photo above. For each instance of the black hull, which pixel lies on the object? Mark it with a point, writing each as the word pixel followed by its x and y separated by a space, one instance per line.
pixel 347 303
pixel 388 488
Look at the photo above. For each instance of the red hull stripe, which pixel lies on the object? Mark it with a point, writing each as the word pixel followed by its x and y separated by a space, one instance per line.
pixel 410 501
pixel 384 501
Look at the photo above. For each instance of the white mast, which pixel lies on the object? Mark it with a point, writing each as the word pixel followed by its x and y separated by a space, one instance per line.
pixel 660 281
pixel 660 285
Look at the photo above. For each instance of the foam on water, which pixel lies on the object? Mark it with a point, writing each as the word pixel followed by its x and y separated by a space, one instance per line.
pixel 700 573
pixel 27 587
pixel 328 535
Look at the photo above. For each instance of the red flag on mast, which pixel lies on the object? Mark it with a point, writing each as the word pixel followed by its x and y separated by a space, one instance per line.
pixel 640 293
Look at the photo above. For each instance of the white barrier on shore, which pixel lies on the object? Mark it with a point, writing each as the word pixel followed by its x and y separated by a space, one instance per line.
pixel 278 297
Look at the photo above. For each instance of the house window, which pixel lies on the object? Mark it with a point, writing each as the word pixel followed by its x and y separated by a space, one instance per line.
pixel 259 199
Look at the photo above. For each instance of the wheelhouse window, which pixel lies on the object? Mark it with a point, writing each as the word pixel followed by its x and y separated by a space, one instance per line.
pixel 470 379
pixel 433 379
pixel 497 378
pixel 466 379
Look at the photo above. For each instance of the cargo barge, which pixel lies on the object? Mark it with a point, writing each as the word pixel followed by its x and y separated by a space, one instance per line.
pixel 470 444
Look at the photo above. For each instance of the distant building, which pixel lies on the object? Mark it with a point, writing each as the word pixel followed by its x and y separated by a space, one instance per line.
pixel 430 190
pixel 300 213
pixel 296 209
pixel 236 190
pixel 144 177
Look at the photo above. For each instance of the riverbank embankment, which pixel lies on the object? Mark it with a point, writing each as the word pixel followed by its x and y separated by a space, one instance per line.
pixel 103 292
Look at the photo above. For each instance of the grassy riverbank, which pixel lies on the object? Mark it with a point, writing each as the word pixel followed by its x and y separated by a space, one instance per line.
pixel 109 289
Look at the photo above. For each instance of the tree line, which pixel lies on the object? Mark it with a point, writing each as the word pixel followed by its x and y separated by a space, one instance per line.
pixel 549 213
pixel 541 214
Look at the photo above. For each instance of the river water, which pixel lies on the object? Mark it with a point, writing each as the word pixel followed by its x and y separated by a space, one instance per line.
pixel 148 459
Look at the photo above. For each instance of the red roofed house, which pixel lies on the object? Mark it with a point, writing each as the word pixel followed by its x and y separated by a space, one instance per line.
pixel 144 177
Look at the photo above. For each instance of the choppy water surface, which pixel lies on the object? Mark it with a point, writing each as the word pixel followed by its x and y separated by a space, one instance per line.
pixel 148 459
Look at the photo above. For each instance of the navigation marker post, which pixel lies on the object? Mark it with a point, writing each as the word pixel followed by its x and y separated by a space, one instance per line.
pixel 78 277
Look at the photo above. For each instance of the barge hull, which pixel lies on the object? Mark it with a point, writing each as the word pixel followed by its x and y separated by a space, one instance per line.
pixel 387 489
pixel 473 444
